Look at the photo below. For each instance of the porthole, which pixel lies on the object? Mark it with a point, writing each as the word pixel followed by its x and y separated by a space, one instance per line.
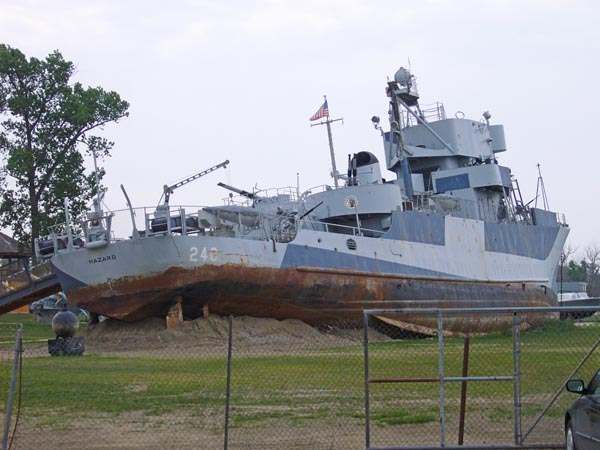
pixel 351 244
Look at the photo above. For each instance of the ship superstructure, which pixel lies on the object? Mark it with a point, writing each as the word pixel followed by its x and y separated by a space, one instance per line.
pixel 448 227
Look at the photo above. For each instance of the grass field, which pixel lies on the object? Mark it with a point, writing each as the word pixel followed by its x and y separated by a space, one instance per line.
pixel 33 331
pixel 295 390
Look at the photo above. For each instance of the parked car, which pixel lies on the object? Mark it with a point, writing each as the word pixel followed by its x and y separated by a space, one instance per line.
pixel 582 420
pixel 575 294
pixel 45 309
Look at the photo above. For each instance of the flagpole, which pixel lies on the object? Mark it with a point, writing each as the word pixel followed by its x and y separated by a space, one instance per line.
pixel 328 121
pixel 331 152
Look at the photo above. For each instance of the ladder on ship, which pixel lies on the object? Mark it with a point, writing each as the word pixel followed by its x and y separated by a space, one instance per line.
pixel 520 207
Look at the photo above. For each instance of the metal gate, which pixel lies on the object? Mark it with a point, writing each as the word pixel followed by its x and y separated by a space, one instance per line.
pixel 503 339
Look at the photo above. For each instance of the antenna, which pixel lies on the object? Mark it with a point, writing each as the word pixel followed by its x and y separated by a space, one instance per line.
pixel 328 122
pixel 98 200
pixel 541 189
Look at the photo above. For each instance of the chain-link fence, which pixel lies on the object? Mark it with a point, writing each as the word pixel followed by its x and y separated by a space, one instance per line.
pixel 137 386
pixel 296 387
pixel 476 378
pixel 248 383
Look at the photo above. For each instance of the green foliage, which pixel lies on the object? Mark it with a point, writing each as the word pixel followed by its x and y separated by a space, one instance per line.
pixel 45 130
pixel 34 331
pixel 577 272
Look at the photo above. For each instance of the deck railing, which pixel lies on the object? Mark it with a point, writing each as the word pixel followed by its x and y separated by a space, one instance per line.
pixel 249 224
pixel 189 220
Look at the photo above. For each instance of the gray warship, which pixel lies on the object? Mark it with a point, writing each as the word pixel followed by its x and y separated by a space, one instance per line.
pixel 447 227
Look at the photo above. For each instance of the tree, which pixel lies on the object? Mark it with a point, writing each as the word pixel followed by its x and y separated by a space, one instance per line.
pixel 567 265
pixel 575 272
pixel 568 252
pixel 45 129
pixel 592 259
pixel 592 265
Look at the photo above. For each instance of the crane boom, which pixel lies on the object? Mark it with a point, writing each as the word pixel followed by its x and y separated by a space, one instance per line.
pixel 168 190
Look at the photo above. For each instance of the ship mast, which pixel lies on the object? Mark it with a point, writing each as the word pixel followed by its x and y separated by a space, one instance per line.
pixel 541 189
pixel 402 91
pixel 97 203
pixel 328 121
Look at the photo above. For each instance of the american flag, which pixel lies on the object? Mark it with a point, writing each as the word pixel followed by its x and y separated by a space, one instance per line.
pixel 322 112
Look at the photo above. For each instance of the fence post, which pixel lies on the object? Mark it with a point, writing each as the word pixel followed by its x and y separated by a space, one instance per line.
pixel 367 393
pixel 463 392
pixel 517 377
pixel 440 330
pixel 12 387
pixel 228 388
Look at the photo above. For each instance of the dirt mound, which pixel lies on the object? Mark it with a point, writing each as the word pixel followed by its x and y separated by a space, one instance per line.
pixel 211 334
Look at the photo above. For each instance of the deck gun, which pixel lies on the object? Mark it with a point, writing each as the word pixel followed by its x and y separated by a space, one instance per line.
pixel 241 192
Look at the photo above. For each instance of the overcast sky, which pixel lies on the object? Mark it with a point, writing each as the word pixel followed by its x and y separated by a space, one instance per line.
pixel 210 80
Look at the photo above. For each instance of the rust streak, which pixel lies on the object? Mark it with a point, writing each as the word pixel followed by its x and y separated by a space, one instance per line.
pixel 314 296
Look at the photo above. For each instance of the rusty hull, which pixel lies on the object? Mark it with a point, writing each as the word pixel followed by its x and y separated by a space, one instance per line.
pixel 315 296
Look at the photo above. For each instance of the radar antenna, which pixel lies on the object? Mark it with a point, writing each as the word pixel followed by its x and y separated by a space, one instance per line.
pixel 168 190
pixel 541 189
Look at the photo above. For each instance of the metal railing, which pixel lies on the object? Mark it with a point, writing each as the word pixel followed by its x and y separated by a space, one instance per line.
pixel 268 224
pixel 434 112
pixel 430 113
pixel 266 194
pixel 178 220
pixel 329 227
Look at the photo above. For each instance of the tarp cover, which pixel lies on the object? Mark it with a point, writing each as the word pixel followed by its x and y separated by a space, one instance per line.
pixel 9 248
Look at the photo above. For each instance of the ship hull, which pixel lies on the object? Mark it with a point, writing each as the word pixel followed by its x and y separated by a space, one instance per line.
pixel 319 277
pixel 315 296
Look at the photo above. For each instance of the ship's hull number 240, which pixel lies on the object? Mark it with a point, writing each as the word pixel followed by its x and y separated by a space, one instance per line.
pixel 203 254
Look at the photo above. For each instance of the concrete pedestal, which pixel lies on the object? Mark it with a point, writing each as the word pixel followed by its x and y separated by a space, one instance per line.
pixel 69 346
pixel 175 314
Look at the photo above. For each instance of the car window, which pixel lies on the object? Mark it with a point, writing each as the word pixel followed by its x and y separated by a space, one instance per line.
pixel 594 386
